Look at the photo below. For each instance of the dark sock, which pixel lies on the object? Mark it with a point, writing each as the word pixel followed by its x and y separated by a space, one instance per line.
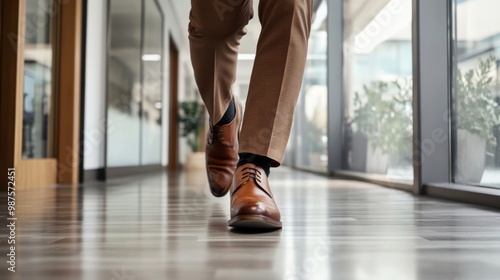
pixel 229 115
pixel 261 161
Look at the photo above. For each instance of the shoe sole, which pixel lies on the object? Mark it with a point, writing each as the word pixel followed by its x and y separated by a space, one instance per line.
pixel 254 222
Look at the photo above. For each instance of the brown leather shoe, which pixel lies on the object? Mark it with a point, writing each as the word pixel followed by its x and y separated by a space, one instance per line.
pixel 222 153
pixel 252 203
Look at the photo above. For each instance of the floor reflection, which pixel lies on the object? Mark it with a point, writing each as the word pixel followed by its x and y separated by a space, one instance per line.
pixel 168 226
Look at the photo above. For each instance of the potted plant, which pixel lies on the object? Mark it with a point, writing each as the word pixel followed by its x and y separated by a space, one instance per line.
pixel 477 114
pixel 365 155
pixel 381 126
pixel 192 120
pixel 316 146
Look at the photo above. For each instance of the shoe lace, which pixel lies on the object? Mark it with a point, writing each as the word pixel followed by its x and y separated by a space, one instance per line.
pixel 251 173
pixel 215 134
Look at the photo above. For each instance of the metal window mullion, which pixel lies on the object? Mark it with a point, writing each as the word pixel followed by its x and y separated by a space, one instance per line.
pixel 431 93
pixel 335 84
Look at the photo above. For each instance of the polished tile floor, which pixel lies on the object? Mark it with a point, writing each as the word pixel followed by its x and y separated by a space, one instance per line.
pixel 169 227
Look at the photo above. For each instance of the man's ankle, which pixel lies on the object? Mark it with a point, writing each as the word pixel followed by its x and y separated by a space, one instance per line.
pixel 229 115
pixel 261 161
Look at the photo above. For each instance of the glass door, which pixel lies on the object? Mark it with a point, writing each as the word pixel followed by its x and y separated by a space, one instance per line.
pixel 38 85
pixel 37 163
pixel 40 129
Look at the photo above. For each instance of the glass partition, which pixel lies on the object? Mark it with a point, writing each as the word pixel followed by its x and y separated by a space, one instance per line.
pixel 134 84
pixel 378 87
pixel 308 146
pixel 124 84
pixel 152 84
pixel 476 95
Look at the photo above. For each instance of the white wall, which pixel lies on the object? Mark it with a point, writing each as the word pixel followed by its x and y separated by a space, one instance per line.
pixel 95 85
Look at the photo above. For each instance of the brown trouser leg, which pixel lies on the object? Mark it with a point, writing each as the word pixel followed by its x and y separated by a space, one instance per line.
pixel 216 28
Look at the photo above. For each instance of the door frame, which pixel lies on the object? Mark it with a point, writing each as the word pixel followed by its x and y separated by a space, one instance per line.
pixel 63 167
pixel 173 127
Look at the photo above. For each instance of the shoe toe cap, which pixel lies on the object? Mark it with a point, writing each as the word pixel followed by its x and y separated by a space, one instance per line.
pixel 220 180
pixel 253 207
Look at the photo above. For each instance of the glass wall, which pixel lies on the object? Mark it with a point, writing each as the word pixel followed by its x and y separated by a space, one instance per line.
pixel 377 95
pixel 124 84
pixel 311 118
pixel 39 70
pixel 134 84
pixel 476 94
pixel 378 87
pixel 152 84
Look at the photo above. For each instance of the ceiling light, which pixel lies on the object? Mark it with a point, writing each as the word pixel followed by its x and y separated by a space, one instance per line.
pixel 151 57
pixel 246 56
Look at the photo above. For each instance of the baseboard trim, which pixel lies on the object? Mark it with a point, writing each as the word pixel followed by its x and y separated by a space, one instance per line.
pixel 374 179
pixel 483 196
pixel 91 175
pixel 117 172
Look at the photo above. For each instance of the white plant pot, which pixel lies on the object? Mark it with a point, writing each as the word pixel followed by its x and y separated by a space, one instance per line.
pixel 195 161
pixel 366 159
pixel 376 161
pixel 470 158
pixel 357 160
pixel 315 161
